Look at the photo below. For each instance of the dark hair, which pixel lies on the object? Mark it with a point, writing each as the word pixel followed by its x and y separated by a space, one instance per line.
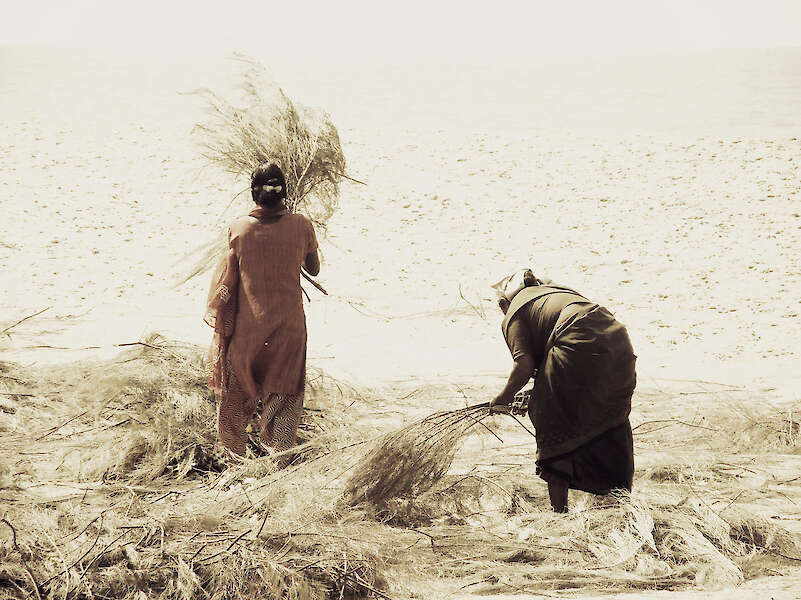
pixel 267 174
pixel 529 279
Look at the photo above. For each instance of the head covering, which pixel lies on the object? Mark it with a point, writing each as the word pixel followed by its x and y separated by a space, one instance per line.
pixel 511 284
pixel 267 174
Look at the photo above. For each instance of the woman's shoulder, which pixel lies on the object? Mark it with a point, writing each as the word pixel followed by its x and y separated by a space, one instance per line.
pixel 293 220
pixel 239 227
pixel 297 217
pixel 299 221
pixel 241 222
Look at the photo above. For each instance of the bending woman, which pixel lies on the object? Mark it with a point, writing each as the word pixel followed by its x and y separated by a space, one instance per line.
pixel 586 376
pixel 256 309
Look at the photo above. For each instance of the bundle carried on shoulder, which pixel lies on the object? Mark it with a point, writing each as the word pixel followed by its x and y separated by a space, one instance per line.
pixel 265 126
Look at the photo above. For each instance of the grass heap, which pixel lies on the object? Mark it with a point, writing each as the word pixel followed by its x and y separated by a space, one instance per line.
pixel 125 493
pixel 110 488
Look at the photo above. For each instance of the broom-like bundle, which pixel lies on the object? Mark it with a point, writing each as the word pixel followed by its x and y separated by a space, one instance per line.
pixel 411 460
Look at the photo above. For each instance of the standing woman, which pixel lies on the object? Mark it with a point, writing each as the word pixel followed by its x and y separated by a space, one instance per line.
pixel 256 309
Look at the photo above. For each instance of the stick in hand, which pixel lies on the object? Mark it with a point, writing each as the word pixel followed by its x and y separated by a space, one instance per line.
pixel 308 278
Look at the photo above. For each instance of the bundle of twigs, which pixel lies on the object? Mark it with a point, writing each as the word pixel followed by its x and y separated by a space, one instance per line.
pixel 266 126
pixel 411 460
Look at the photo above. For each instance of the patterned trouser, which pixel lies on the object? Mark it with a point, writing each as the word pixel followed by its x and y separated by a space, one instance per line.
pixel 280 417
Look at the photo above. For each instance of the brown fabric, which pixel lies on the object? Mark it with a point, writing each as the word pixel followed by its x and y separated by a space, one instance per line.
pixel 603 464
pixel 530 293
pixel 585 382
pixel 221 316
pixel 234 412
pixel 267 350
pixel 530 329
pixel 279 419
pixel 256 309
pixel 263 212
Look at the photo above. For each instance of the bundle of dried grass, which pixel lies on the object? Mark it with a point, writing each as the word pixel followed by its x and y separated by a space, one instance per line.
pixel 266 126
pixel 147 415
pixel 269 127
pixel 132 561
pixel 411 460
pixel 778 429
pixel 154 402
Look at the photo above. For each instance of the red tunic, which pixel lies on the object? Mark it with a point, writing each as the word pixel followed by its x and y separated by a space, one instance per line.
pixel 267 348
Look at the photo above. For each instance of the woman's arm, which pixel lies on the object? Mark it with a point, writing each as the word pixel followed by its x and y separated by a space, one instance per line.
pixel 518 338
pixel 312 263
pixel 521 372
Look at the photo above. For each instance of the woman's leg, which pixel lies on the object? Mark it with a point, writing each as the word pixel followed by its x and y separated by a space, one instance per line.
pixel 233 417
pixel 557 489
pixel 557 493
pixel 279 423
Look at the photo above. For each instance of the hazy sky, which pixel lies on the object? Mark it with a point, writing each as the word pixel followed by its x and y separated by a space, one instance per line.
pixel 337 30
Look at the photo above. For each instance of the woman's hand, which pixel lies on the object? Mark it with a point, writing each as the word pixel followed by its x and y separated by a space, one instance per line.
pixel 500 404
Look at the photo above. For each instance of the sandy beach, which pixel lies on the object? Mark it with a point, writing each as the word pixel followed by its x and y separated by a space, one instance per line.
pixel 665 188
pixel 687 226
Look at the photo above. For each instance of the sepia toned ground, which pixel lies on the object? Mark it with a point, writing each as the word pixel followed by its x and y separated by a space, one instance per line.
pixel 668 190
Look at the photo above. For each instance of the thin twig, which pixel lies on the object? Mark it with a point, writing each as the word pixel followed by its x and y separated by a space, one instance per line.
pixel 478 421
pixel 36 586
pixel 36 314
pixel 105 550
pixel 429 536
pixel 308 278
pixel 57 427
pixel 239 537
pixel 176 492
pixel 349 178
pixel 198 551
pixel 231 201
pixel 531 433
pixel 670 421
pixel 771 551
pixel 470 304
pixel 84 555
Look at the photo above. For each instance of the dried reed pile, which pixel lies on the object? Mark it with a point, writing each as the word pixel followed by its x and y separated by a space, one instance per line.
pixel 413 459
pixel 87 514
pixel 124 500
pixel 611 545
pixel 148 561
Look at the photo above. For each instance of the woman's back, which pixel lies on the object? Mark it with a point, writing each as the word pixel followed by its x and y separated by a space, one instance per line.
pixel 268 347
pixel 270 256
pixel 258 356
